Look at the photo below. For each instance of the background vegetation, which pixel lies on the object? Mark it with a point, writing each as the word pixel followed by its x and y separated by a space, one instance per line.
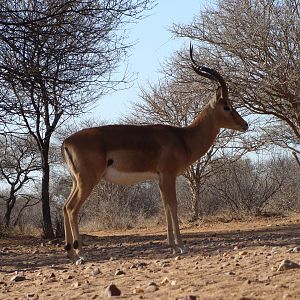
pixel 56 61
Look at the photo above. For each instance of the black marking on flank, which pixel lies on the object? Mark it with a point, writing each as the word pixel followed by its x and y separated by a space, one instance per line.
pixel 75 245
pixel 110 162
pixel 68 247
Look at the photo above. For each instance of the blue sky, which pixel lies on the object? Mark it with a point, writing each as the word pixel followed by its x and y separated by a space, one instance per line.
pixel 154 43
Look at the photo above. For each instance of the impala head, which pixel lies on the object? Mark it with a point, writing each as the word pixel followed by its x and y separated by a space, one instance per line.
pixel 226 115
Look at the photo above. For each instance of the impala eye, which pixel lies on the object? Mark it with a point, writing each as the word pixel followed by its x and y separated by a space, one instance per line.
pixel 226 107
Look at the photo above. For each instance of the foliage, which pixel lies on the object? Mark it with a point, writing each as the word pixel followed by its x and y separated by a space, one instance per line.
pixel 56 59
pixel 257 43
pixel 18 165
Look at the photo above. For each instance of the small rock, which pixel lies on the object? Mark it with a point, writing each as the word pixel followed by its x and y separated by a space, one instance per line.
pixel 152 283
pixel 287 265
pixel 173 282
pixel 119 272
pixel 17 278
pixel 152 287
pixel 96 271
pixel 226 254
pixel 263 278
pixel 52 275
pixel 164 264
pixel 75 284
pixel 178 258
pixel 138 265
pixel 112 291
pixel 280 286
pixel 296 250
pixel 189 297
pixel 138 290
pixel 166 280
pixel 30 295
pixel 243 253
pixel 231 273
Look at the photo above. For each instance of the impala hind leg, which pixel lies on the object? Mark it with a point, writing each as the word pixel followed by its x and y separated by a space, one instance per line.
pixel 81 193
pixel 167 186
pixel 68 233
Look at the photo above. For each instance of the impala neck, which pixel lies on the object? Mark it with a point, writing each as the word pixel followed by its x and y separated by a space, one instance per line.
pixel 202 133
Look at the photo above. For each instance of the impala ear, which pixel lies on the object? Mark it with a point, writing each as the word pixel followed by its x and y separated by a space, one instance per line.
pixel 219 94
pixel 217 97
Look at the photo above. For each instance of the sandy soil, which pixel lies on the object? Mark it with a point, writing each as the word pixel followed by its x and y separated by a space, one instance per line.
pixel 225 261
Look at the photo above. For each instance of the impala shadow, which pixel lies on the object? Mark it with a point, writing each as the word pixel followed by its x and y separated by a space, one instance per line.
pixel 202 243
pixel 139 247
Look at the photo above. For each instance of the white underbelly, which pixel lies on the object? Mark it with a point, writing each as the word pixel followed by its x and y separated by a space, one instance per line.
pixel 126 178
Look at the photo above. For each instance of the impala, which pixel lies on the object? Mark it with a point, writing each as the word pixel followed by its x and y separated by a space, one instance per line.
pixel 127 154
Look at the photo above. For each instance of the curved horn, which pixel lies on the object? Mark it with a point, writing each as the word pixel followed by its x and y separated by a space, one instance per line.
pixel 209 73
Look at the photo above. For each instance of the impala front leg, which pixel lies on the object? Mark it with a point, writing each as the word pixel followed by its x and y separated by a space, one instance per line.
pixel 179 246
pixel 170 235
pixel 167 184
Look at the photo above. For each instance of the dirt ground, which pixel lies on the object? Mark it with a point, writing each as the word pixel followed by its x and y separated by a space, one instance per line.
pixel 237 260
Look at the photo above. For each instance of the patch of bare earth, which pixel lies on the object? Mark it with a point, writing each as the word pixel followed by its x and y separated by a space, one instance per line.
pixel 225 261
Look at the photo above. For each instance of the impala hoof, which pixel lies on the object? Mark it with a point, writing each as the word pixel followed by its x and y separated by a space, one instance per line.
pixel 180 249
pixel 80 261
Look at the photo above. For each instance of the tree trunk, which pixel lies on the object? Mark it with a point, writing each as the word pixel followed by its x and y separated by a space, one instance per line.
pixel 9 207
pixel 195 203
pixel 10 203
pixel 195 208
pixel 7 216
pixel 47 223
